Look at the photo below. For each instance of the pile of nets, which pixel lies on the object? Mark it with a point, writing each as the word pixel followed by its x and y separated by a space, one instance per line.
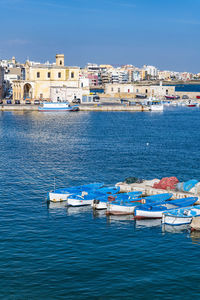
pixel 166 183
pixel 130 180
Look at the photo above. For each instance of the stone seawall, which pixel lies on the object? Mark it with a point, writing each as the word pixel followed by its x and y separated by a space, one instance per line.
pixel 113 108
pixel 94 107
pixel 18 107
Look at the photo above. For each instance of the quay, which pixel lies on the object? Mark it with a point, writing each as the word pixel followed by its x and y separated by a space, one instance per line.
pixel 93 107
pixel 148 190
pixel 18 107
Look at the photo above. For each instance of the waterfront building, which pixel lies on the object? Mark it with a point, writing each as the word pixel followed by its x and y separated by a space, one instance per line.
pixel 131 90
pixel 41 79
pixel 118 89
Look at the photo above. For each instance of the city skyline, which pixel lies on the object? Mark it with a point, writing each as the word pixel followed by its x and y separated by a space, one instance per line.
pixel 110 32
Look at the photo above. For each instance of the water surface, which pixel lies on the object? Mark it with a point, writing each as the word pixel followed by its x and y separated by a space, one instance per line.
pixel 51 252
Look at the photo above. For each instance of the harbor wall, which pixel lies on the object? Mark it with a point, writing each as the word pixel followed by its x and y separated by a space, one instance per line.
pixel 149 190
pixel 94 107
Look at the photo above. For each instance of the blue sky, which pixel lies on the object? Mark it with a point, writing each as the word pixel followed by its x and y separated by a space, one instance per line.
pixel 156 32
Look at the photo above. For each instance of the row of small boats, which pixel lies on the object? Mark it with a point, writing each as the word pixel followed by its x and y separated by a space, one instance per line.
pixel 100 197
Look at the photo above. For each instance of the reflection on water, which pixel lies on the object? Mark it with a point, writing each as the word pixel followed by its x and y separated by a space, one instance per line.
pixel 78 210
pixel 45 248
pixel 175 229
pixel 147 223
pixel 99 213
pixel 117 218
pixel 195 236
pixel 56 205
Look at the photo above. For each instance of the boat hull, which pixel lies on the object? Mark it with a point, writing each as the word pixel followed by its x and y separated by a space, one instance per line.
pixel 175 220
pixel 58 109
pixel 58 197
pixel 78 202
pixel 113 209
pixel 159 107
pixel 99 205
pixel 143 214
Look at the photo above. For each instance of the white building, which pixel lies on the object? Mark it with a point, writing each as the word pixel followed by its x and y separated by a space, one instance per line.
pixel 151 71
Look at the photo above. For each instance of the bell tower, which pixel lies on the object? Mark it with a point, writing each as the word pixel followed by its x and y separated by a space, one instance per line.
pixel 60 60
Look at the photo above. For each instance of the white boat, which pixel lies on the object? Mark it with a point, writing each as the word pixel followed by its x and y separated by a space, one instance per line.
pixel 155 211
pixel 180 216
pixel 57 106
pixel 80 200
pixel 118 209
pixel 100 203
pixel 123 207
pixel 59 195
pixel 154 104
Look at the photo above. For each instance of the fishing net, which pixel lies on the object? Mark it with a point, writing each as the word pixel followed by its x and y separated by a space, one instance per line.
pixel 166 183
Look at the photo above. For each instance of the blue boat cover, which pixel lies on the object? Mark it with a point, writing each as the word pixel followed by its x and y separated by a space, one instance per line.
pixel 188 185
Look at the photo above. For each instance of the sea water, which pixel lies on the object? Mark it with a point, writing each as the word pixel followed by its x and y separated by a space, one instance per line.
pixel 48 251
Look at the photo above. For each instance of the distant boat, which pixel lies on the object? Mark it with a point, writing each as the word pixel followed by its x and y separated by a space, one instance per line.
pixel 58 106
pixel 181 216
pixel 173 97
pixel 154 104
pixel 155 211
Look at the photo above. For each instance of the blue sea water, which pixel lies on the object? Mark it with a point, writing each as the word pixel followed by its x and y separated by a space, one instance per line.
pixel 187 87
pixel 50 252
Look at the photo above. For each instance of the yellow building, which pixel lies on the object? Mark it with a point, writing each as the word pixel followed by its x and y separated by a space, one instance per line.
pixel 39 78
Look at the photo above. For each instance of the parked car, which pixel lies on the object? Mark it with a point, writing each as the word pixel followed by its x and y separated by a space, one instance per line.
pixel 96 99
pixel 37 102
pixel 17 101
pixel 76 100
pixel 9 102
pixel 27 102
pixel 185 97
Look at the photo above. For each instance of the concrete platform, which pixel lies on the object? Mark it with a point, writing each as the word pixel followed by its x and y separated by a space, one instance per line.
pixel 18 107
pixel 97 107
pixel 149 190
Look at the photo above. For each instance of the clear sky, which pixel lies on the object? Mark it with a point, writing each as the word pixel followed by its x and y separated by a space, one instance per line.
pixel 156 32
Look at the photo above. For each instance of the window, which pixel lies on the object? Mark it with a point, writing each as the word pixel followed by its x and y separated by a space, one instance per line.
pixel 48 74
pixel 146 91
pixel 38 74
pixel 111 89
pixel 81 84
pixel 60 62
pixel 118 90
pixel 59 75
pixel 166 92
pixel 72 74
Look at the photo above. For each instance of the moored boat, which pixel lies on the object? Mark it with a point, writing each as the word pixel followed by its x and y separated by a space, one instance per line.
pixel 57 106
pixel 154 104
pixel 155 210
pixel 123 207
pixel 101 202
pixel 88 198
pixel 63 194
pixel 180 216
